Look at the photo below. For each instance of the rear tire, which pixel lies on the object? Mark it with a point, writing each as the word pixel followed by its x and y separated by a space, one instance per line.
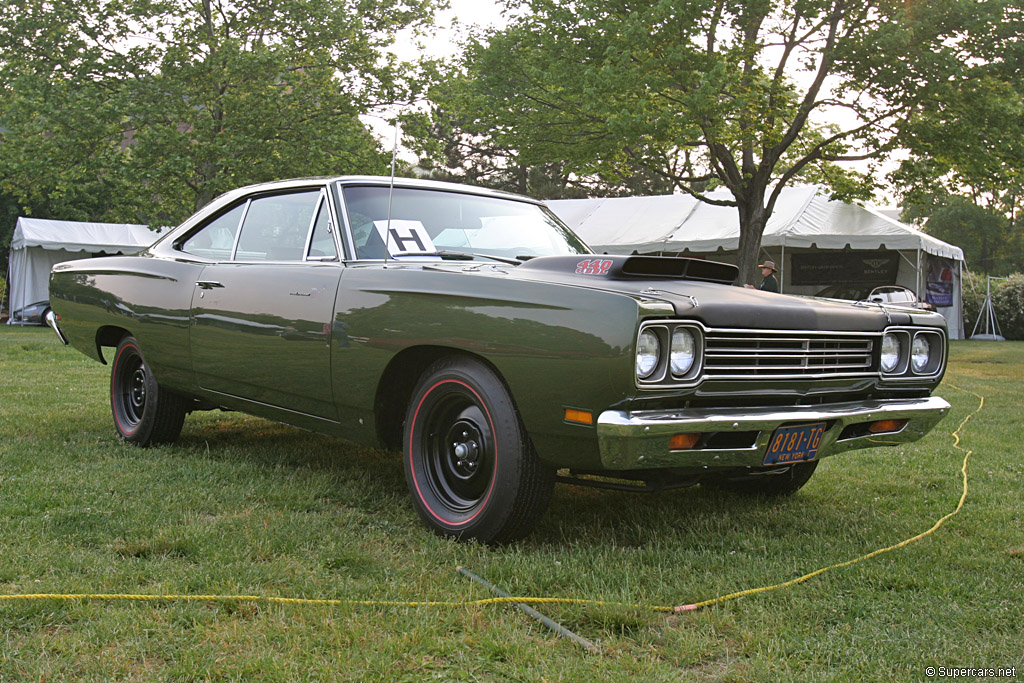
pixel 144 412
pixel 770 485
pixel 469 464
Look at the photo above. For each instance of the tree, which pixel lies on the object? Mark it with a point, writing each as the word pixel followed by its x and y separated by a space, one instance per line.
pixel 453 147
pixel 156 106
pixel 965 172
pixel 746 94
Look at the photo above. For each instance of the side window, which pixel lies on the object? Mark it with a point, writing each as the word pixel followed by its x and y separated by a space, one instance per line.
pixel 216 239
pixel 321 245
pixel 276 227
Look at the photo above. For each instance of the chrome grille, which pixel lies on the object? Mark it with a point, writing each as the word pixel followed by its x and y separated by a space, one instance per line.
pixel 747 353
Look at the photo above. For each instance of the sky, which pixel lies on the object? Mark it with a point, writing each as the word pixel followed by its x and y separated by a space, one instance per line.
pixel 450 26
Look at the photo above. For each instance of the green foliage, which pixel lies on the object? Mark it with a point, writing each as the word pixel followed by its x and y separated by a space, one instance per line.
pixel 1007 303
pixel 141 111
pixel 989 240
pixel 9 210
pixel 965 172
pixel 704 93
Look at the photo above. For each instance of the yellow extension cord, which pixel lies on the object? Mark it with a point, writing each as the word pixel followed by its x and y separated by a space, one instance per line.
pixel 127 597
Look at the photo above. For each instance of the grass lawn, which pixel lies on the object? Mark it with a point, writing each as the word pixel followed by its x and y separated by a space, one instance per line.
pixel 245 506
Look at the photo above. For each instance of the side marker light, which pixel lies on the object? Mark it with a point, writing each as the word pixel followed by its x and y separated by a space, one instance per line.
pixel 583 417
pixel 887 426
pixel 682 442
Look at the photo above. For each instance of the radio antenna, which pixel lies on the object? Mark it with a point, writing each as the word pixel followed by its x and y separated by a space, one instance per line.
pixel 391 193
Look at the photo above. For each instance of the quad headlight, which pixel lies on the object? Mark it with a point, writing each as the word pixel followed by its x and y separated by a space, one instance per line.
pixel 890 352
pixel 683 351
pixel 920 353
pixel 648 353
pixel 909 353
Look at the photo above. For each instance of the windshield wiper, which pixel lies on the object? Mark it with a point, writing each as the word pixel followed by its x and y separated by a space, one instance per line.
pixel 469 256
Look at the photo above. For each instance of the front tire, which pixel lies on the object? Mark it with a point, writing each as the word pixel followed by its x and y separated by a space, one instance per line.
pixel 144 412
pixel 470 467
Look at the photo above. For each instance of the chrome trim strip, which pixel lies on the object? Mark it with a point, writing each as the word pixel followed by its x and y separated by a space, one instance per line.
pixel 639 440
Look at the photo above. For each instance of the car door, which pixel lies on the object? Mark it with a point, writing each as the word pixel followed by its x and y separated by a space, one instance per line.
pixel 261 316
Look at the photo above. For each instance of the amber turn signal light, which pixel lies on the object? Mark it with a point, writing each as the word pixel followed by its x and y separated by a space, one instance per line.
pixel 583 417
pixel 681 442
pixel 885 426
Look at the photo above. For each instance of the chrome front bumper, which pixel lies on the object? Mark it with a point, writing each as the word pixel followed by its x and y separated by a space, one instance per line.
pixel 739 437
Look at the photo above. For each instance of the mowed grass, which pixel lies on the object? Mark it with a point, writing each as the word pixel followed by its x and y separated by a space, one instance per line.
pixel 245 506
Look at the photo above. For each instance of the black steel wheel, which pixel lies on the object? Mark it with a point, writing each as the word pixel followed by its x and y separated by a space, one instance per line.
pixel 144 412
pixel 470 467
pixel 783 483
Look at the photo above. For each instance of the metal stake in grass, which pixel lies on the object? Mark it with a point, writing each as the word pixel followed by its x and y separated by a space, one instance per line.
pixel 553 625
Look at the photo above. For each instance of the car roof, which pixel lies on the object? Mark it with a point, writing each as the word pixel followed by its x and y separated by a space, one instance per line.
pixel 380 181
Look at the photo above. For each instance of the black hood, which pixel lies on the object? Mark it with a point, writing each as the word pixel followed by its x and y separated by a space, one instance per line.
pixel 703 290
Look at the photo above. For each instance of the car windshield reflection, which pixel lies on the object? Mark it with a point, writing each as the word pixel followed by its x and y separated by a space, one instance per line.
pixel 431 223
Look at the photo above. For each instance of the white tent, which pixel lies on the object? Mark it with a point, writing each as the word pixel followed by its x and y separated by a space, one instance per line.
pixel 805 220
pixel 38 244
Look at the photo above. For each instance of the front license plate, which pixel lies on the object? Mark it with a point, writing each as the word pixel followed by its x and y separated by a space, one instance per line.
pixel 798 443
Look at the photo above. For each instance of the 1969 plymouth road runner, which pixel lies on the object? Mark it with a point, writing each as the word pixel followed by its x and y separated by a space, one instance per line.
pixel 474 331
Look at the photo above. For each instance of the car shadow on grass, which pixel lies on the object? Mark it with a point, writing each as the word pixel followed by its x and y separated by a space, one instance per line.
pixel 575 515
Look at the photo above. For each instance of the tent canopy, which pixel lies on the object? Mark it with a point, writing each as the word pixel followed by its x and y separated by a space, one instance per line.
pixel 80 236
pixel 803 217
pixel 38 244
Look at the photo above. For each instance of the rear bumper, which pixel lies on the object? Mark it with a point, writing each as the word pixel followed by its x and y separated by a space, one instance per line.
pixel 739 437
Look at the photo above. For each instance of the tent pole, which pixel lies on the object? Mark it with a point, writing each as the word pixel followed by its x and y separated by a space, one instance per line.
pixel 960 299
pixel 782 264
pixel 24 276
pixel 918 292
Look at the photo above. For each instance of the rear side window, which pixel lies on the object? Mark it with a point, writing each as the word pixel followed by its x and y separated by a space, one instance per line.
pixel 217 238
pixel 275 227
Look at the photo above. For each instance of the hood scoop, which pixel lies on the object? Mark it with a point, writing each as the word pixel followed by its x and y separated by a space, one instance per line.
pixel 615 267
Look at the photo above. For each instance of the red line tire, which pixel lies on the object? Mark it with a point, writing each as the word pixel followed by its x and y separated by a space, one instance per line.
pixel 144 412
pixel 470 467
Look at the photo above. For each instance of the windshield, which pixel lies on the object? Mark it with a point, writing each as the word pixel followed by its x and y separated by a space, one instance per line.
pixel 437 223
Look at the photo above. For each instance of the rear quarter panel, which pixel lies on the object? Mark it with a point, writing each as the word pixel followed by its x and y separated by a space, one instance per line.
pixel 147 297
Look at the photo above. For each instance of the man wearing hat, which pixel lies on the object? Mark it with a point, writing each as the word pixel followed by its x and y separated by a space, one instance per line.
pixel 769 283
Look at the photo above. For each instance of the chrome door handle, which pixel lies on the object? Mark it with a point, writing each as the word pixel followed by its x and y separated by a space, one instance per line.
pixel 208 284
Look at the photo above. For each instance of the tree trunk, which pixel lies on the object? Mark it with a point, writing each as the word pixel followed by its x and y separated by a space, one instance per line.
pixel 753 218
pixel 203 197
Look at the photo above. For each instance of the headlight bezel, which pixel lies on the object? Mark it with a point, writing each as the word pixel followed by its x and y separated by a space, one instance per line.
pixel 663 375
pixel 906 370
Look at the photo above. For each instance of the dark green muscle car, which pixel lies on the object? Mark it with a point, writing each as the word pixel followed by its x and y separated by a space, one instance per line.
pixel 474 331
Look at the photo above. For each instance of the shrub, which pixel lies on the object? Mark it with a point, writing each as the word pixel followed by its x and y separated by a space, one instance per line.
pixel 1008 299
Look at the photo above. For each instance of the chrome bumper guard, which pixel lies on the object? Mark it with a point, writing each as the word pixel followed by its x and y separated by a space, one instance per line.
pixel 51 320
pixel 640 440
